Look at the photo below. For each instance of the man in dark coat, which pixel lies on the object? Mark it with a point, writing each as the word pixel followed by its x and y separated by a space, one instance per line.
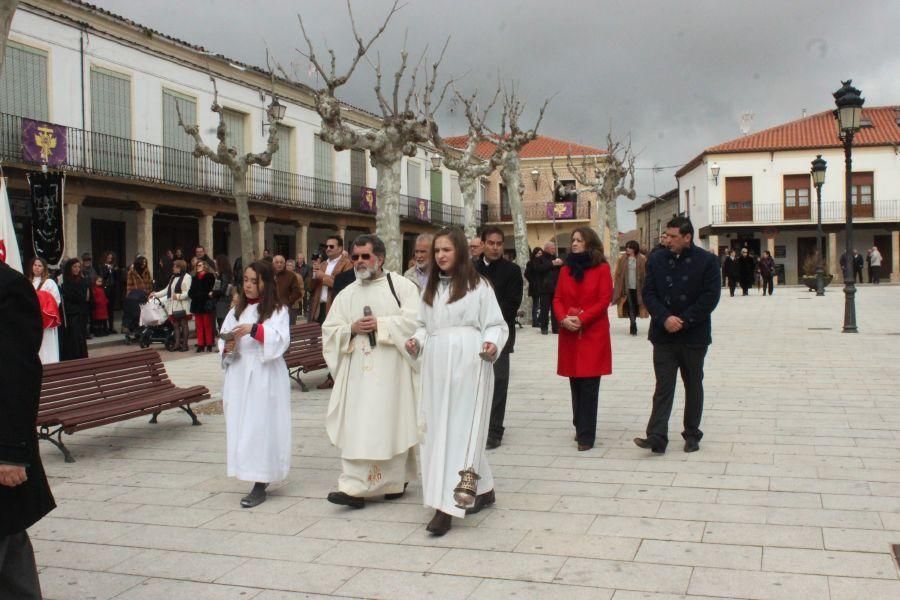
pixel 546 270
pixel 746 269
pixel 506 277
pixel 24 493
pixel 730 271
pixel 682 289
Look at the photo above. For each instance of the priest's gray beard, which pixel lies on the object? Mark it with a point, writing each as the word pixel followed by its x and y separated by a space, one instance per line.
pixel 364 273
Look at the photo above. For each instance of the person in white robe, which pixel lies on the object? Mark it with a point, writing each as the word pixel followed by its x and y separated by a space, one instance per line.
pixel 372 413
pixel 256 395
pixel 40 279
pixel 457 340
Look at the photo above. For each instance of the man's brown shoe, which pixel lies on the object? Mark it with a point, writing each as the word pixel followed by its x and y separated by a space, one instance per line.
pixel 326 385
pixel 440 523
pixel 481 501
pixel 646 444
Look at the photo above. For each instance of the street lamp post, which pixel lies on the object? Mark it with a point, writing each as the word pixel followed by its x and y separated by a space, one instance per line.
pixel 849 104
pixel 818 176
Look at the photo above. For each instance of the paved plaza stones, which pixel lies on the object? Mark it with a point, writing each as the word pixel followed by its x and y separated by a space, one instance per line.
pixel 794 494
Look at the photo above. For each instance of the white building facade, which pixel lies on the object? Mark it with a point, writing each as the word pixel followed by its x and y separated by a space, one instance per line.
pixel 756 191
pixel 132 184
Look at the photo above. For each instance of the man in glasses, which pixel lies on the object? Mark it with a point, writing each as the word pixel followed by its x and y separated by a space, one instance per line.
pixel 372 412
pixel 322 283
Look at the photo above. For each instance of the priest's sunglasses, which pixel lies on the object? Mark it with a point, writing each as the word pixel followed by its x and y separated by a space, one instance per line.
pixel 364 256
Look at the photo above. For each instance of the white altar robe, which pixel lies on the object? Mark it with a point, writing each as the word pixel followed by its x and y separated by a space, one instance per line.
pixel 372 413
pixel 49 353
pixel 457 386
pixel 256 399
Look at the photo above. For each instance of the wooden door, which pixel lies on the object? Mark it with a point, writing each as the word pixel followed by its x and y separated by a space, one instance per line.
pixel 738 199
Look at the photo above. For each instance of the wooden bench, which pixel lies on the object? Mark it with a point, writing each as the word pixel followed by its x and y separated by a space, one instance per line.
pixel 89 392
pixel 305 352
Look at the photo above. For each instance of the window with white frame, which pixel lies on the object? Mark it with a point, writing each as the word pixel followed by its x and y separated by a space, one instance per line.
pixel 413 179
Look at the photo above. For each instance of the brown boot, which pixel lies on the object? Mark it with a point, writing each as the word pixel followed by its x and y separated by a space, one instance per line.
pixel 482 501
pixel 440 523
pixel 327 384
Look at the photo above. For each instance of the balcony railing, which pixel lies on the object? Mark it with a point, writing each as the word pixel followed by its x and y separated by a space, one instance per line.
pixel 541 211
pixel 110 156
pixel 777 214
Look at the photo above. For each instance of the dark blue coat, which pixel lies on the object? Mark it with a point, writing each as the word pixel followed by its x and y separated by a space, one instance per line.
pixel 686 286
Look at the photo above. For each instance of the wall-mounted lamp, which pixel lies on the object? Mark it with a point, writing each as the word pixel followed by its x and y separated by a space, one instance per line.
pixel 535 178
pixel 436 160
pixel 275 112
pixel 714 171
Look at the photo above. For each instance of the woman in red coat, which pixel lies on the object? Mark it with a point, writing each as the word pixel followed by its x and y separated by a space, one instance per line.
pixel 582 299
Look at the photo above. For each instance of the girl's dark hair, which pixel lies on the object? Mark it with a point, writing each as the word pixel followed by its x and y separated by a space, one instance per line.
pixel 268 295
pixel 635 247
pixel 29 273
pixel 223 265
pixel 68 276
pixel 592 245
pixel 140 261
pixel 464 277
pixel 535 250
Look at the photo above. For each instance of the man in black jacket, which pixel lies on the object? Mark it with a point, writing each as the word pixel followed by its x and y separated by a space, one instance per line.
pixel 547 272
pixel 24 493
pixel 506 277
pixel 682 289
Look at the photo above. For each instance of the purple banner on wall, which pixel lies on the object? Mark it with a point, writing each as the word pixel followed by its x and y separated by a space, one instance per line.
pixel 560 210
pixel 43 143
pixel 367 200
pixel 421 209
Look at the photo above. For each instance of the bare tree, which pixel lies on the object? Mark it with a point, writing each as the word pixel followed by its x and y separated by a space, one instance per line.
pixel 609 178
pixel 7 10
pixel 402 129
pixel 465 162
pixel 238 166
pixel 510 140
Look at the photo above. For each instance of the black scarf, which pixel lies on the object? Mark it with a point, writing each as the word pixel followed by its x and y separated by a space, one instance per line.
pixel 577 263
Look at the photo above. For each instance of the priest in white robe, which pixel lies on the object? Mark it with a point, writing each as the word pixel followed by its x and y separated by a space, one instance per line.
pixel 461 331
pixel 256 395
pixel 372 414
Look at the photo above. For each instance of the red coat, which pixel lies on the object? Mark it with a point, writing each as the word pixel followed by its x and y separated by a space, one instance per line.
pixel 100 311
pixel 587 353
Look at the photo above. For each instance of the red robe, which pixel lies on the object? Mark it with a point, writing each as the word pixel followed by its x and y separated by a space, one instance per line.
pixel 588 352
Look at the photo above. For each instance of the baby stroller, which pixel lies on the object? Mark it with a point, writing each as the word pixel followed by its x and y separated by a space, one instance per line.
pixel 155 325
pixel 131 315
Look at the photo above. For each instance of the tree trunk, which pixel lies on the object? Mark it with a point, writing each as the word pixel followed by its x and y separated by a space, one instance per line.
pixel 387 219
pixel 601 219
pixel 512 179
pixel 612 219
pixel 467 185
pixel 242 204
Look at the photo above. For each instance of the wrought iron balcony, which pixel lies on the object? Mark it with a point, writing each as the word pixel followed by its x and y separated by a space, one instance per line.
pixel 778 214
pixel 540 211
pixel 104 155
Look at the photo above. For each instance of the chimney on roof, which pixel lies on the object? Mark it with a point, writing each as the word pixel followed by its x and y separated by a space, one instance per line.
pixel 803 113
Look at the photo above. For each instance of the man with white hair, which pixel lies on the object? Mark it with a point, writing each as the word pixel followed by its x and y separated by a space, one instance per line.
pixel 372 416
pixel 418 273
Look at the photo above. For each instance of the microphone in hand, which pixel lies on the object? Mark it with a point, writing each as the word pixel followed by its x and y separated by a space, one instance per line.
pixel 367 312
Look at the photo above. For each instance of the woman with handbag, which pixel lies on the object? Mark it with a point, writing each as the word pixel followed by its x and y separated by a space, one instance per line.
pixel 631 272
pixel 177 299
pixel 203 305
pixel 583 294
pixel 461 332
pixel 49 298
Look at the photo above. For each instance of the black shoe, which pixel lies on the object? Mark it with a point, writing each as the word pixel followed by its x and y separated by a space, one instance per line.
pixel 492 443
pixel 691 444
pixel 583 447
pixel 346 500
pixel 439 524
pixel 256 496
pixel 645 443
pixel 544 332
pixel 199 348
pixel 482 501
pixel 398 494
pixel 633 329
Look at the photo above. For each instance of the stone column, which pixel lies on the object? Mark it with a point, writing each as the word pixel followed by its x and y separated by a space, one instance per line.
pixel 342 231
pixel 302 239
pixel 770 245
pixel 833 265
pixel 259 235
pixel 713 244
pixel 144 237
pixel 206 231
pixel 895 256
pixel 71 206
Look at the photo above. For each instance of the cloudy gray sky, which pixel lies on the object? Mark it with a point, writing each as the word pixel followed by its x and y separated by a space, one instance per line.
pixel 675 75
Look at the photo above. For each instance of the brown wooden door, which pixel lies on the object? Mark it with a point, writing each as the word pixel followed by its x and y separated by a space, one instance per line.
pixel 883 243
pixel 862 195
pixel 796 197
pixel 738 199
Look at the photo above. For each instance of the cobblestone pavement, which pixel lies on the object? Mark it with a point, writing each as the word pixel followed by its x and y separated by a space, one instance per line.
pixel 795 493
